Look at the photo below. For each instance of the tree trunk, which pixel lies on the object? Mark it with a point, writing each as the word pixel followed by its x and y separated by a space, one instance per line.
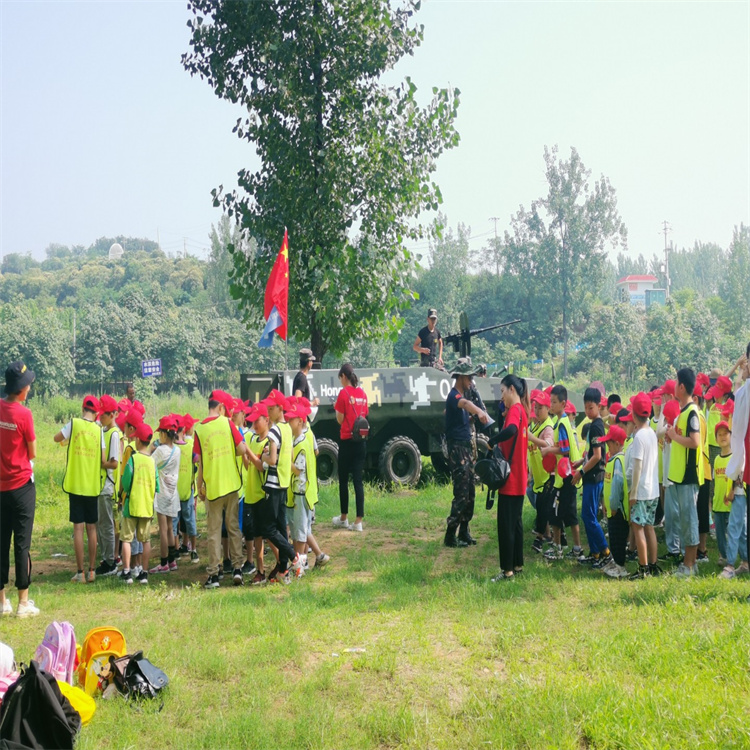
pixel 565 341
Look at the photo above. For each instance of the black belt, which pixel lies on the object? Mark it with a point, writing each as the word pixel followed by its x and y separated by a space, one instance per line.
pixel 462 443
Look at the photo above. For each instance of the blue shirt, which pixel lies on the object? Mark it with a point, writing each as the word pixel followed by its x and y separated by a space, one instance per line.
pixel 456 419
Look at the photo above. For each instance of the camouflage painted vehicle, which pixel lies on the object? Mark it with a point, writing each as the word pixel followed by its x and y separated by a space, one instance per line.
pixel 407 416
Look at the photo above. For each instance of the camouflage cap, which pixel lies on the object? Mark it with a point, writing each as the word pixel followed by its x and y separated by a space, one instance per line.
pixel 463 367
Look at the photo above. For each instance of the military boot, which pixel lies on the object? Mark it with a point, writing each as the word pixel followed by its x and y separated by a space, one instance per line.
pixel 450 538
pixel 464 535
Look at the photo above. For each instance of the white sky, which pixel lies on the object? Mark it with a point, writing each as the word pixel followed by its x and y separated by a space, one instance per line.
pixel 103 132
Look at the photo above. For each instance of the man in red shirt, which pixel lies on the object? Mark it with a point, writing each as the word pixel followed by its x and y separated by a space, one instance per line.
pixel 17 489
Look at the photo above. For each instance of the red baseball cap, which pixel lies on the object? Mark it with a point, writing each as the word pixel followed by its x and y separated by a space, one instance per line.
pixel 564 468
pixel 541 398
pixel 570 408
pixel 656 401
pixel 728 408
pixel 671 411
pixel 603 402
pixel 120 420
pixel 293 414
pixel 108 404
pixel 624 415
pixel 615 434
pixel 548 390
pixel 124 404
pixel 144 433
pixel 139 407
pixel 224 398
pixel 641 405
pixel 710 394
pixel 258 410
pixel 722 425
pixel 169 422
pixel 134 418
pixel 548 463
pixel 187 421
pixel 702 379
pixel 723 385
pixel 276 398
pixel 91 403
pixel 669 387
pixel 615 407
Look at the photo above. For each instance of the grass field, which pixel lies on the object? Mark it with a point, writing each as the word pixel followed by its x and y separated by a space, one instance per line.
pixel 561 658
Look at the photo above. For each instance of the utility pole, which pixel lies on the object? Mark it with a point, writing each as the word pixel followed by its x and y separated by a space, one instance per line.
pixel 666 229
pixel 497 251
pixel 184 247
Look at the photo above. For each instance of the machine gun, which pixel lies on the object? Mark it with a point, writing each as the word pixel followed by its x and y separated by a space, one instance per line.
pixel 462 340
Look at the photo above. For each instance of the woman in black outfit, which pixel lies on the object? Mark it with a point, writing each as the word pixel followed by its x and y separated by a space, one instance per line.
pixel 350 404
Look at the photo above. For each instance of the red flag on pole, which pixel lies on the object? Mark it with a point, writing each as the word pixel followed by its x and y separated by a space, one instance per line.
pixel 277 288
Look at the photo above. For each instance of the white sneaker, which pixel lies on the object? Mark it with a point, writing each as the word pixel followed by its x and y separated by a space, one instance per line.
pixel 743 568
pixel 339 523
pixel 78 578
pixel 683 571
pixel 728 572
pixel 137 570
pixel 356 526
pixel 7 608
pixel 27 609
pixel 321 560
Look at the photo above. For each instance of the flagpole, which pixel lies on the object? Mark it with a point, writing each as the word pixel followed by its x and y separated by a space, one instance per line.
pixel 289 271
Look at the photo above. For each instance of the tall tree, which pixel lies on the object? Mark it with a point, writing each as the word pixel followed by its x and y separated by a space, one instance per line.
pixel 569 231
pixel 340 153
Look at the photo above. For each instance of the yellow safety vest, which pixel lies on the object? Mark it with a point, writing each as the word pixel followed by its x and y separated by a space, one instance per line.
pixel 678 454
pixel 609 472
pixel 143 488
pixel 539 475
pixel 714 417
pixel 704 448
pixel 218 455
pixel 83 471
pixel 284 460
pixel 241 467
pixel 185 475
pixel 579 429
pixel 306 446
pixel 254 479
pixel 116 471
pixel 722 485
pixel 574 454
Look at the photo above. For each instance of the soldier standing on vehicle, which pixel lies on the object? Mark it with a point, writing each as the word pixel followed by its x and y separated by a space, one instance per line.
pixel 301 387
pixel 429 343
pixel 460 454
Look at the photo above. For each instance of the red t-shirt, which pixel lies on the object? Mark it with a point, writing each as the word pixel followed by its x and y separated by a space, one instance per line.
pixel 516 484
pixel 16 430
pixel 235 436
pixel 352 403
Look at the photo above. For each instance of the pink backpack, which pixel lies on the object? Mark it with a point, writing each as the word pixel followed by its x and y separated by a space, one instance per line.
pixel 8 672
pixel 57 652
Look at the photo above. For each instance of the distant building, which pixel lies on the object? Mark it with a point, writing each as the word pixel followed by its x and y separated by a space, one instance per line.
pixel 639 289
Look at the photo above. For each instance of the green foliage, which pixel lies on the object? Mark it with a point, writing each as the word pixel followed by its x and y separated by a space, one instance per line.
pixel 340 152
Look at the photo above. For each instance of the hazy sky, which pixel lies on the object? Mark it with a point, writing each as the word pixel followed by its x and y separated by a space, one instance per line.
pixel 103 132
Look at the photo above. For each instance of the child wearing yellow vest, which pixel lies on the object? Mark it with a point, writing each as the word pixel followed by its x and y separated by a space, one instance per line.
pixel 255 478
pixel 722 486
pixel 616 506
pixel 185 521
pixel 105 528
pixel 541 435
pixel 140 483
pixel 705 492
pixel 83 480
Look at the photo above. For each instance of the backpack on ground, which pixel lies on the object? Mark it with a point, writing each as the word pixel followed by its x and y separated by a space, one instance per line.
pixel 57 653
pixel 135 676
pixel 35 713
pixel 98 645
pixel 8 672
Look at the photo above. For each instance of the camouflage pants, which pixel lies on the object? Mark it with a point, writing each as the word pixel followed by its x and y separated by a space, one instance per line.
pixel 461 464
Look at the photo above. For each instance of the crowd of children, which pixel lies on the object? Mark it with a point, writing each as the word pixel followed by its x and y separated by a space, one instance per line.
pixel 663 460
pixel 252 464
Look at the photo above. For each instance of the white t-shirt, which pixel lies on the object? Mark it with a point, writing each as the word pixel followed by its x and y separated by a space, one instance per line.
pixel 645 447
pixel 167 460
pixel 300 482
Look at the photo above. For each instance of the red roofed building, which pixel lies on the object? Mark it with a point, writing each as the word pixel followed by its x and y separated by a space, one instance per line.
pixel 636 287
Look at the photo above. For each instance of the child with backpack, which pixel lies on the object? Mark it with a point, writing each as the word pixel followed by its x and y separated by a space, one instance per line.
pixel 167 502
pixel 140 482
pixel 186 491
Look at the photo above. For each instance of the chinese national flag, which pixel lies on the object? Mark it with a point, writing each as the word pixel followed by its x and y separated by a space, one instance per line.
pixel 277 288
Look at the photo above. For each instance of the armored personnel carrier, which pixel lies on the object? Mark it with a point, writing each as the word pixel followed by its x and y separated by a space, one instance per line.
pixel 407 416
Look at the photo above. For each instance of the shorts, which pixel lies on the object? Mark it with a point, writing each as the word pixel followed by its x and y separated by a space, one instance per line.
pixel 300 521
pixel 643 512
pixel 255 519
pixel 135 528
pixel 562 509
pixel 247 526
pixel 83 509
pixel 686 496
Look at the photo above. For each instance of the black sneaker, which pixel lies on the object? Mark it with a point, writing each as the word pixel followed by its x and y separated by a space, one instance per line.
pixel 220 574
pixel 184 551
pixel 642 572
pixel 701 557
pixel 602 561
pixel 587 559
pixel 143 577
pixel 212 582
pixel 537 545
pixel 631 555
pixel 248 569
pixel 126 577
pixel 227 566
pixel 237 577
pixel 563 539
pixel 105 569
pixel 673 557
pixel 655 570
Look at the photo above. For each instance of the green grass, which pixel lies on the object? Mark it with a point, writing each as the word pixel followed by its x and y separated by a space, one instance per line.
pixel 561 658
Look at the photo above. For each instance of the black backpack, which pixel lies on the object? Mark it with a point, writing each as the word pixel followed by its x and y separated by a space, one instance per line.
pixel 35 714
pixel 494 471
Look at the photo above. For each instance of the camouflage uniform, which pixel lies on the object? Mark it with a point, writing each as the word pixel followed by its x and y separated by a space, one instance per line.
pixel 461 464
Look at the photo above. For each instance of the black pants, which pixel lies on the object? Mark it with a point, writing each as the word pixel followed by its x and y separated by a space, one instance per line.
pixel 461 464
pixel 352 463
pixel 269 514
pixel 704 518
pixel 543 503
pixel 510 531
pixel 619 530
pixel 17 519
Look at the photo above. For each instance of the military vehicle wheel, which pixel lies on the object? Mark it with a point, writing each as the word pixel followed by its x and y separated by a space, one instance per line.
pixel 328 461
pixel 400 461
